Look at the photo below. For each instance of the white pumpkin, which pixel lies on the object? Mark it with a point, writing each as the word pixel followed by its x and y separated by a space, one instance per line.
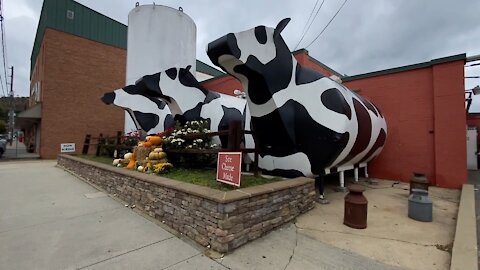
pixel 140 168
pixel 116 162
pixel 128 156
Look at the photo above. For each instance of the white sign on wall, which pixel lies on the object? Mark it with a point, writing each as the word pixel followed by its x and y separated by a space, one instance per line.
pixel 67 147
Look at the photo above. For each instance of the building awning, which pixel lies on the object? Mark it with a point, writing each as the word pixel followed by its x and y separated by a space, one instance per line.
pixel 29 117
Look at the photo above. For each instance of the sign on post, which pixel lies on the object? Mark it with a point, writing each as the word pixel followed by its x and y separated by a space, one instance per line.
pixel 67 147
pixel 229 167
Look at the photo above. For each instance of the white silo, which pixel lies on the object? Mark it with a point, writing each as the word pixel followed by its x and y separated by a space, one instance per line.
pixel 159 38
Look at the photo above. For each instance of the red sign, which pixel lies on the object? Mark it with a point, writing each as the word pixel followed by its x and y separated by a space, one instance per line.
pixel 229 167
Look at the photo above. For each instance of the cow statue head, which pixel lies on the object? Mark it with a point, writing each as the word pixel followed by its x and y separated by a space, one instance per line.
pixel 141 101
pixel 259 52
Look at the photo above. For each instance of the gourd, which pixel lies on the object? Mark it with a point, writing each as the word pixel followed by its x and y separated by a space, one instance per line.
pixel 131 164
pixel 156 155
pixel 128 156
pixel 154 140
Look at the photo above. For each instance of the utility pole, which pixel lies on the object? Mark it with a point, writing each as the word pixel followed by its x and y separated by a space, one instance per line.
pixel 11 113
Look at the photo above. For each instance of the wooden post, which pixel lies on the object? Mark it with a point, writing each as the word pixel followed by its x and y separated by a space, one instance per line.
pixel 234 136
pixel 99 144
pixel 86 144
pixel 118 143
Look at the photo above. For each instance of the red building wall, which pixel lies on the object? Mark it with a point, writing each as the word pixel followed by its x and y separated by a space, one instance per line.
pixel 77 72
pixel 425 113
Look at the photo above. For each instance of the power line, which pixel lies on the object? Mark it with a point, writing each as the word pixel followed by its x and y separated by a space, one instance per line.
pixel 4 43
pixel 304 32
pixel 327 24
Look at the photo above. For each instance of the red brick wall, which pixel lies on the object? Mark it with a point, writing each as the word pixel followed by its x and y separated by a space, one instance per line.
pixel 305 60
pixel 77 72
pixel 224 84
pixel 425 113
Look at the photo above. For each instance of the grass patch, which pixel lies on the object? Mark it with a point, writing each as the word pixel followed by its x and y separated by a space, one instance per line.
pixel 100 159
pixel 202 177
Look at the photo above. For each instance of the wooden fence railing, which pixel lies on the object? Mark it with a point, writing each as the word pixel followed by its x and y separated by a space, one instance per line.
pixel 234 136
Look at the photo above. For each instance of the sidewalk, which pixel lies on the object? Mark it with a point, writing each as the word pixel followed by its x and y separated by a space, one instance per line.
pixel 17 151
pixel 52 220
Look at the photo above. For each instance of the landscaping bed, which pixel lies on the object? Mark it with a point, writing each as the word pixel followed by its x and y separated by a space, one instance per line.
pixel 203 177
pixel 223 220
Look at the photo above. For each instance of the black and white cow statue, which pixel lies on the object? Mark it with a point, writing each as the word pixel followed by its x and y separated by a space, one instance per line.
pixel 148 112
pixel 305 123
pixel 186 98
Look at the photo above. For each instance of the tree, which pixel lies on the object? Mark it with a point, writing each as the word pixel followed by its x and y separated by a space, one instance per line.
pixel 3 126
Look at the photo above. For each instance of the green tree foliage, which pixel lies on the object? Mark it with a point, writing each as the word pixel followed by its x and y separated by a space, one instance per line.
pixel 3 126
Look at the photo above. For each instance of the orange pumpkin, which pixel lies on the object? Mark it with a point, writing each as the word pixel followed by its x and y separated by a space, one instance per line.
pixel 147 144
pixel 155 140
pixel 131 164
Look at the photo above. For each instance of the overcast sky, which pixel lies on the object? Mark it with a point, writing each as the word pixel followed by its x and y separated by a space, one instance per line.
pixel 367 35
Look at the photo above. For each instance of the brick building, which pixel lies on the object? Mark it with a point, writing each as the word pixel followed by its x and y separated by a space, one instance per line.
pixel 78 55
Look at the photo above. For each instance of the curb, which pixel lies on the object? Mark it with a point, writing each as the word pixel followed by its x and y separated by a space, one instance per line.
pixel 464 252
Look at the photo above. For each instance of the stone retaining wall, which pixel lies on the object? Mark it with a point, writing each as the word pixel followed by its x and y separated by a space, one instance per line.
pixel 224 220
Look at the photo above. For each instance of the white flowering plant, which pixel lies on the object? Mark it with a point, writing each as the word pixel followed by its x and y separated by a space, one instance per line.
pixel 191 135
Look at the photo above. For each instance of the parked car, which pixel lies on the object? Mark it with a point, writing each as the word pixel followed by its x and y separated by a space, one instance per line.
pixel 3 144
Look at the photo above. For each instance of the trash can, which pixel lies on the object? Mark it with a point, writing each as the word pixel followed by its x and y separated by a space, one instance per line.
pixel 420 205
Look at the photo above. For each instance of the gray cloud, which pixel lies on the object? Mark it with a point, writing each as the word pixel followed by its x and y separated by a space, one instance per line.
pixel 366 36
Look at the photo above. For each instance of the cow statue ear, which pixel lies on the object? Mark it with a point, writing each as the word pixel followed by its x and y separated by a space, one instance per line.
pixel 280 26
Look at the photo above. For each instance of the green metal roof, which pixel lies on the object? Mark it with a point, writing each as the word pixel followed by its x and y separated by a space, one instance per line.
pixel 89 24
pixel 85 23
pixel 437 61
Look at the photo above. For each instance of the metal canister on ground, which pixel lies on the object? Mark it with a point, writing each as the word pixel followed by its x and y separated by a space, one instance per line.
pixel 420 206
pixel 356 207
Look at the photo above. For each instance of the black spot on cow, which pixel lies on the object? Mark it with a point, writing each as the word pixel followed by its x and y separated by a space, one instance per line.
pixel 333 100
pixel 146 121
pixel 193 114
pixel 211 96
pixel 186 78
pixel 108 98
pixel 273 136
pixel 261 34
pixel 226 45
pixel 367 104
pixel 149 85
pixel 171 73
pixel 229 115
pixel 169 122
pixel 284 173
pixel 364 131
pixel 379 112
pixel 382 136
pixel 305 75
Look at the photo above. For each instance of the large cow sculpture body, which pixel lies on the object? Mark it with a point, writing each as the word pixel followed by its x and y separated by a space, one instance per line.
pixel 305 123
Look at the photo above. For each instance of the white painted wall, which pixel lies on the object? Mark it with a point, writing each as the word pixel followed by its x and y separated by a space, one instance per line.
pixel 159 37
pixel 472 148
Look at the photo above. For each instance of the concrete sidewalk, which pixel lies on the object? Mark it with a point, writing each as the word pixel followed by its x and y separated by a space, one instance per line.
pixel 50 219
pixel 17 150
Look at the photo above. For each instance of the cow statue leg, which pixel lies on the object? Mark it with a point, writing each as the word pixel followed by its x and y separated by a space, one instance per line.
pixel 320 185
